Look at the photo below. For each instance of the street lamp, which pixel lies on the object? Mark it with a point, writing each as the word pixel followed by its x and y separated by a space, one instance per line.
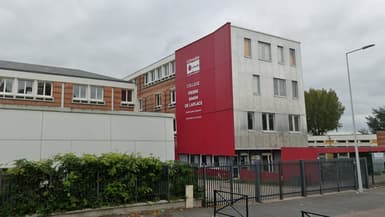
pixel 358 166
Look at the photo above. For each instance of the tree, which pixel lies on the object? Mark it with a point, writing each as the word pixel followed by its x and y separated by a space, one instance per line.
pixel 376 121
pixel 323 111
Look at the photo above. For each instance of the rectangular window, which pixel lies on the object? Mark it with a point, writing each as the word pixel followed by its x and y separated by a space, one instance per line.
pixel 152 76
pixel 96 93
pixel 294 122
pixel 279 87
pixel 159 73
pixel 281 59
pixel 145 78
pixel 5 85
pixel 172 97
pixel 172 67
pixel 247 47
pixel 126 96
pixel 256 85
pixel 250 120
pixel 294 85
pixel 141 105
pixel 292 57
pixel 24 87
pixel 44 88
pixel 268 121
pixel 264 51
pixel 80 91
pixel 166 69
pixel 158 100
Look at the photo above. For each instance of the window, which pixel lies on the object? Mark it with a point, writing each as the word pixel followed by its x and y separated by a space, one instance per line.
pixel 172 67
pixel 5 86
pixel 174 125
pixel 152 76
pixel 293 122
pixel 281 59
pixel 80 91
pixel 159 73
pixel 166 69
pixel 44 88
pixel 141 105
pixel 172 97
pixel 145 78
pixel 264 51
pixel 96 93
pixel 247 47
pixel 294 86
pixel 24 87
pixel 250 120
pixel 126 96
pixel 279 87
pixel 256 85
pixel 158 100
pixel 292 57
pixel 268 121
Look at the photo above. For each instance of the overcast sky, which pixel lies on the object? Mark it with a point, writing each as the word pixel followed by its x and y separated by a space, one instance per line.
pixel 116 38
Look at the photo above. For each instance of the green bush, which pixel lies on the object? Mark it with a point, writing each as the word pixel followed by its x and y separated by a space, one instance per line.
pixel 68 182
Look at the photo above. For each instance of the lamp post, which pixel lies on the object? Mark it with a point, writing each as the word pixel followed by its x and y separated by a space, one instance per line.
pixel 358 166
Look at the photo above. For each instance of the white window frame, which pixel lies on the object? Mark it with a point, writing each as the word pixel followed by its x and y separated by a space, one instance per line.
pixel 3 92
pixel 141 104
pixel 99 92
pixel 172 68
pixel 87 99
pixel 264 47
pixel 172 97
pixel 25 94
pixel 166 70
pixel 268 125
pixel 159 73
pixel 256 84
pixel 126 102
pixel 294 123
pixel 44 89
pixel 277 82
pixel 158 100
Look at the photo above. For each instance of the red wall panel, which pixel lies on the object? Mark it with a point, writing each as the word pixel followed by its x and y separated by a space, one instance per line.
pixel 204 111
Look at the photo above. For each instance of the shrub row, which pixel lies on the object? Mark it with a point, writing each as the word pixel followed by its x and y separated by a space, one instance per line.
pixel 68 182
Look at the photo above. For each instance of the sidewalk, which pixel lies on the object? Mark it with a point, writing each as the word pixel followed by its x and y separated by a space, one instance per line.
pixel 371 203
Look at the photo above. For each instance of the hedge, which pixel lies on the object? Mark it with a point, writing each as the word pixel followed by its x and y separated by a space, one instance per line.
pixel 68 182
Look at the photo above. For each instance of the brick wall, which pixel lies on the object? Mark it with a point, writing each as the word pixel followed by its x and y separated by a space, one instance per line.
pixel 381 137
pixel 56 92
pixel 68 93
pixel 148 95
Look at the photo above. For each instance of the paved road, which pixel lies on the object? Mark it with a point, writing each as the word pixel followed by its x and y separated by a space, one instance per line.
pixel 371 203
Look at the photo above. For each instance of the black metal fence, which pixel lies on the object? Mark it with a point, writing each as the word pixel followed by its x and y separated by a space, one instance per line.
pixel 278 180
pixel 312 214
pixel 230 204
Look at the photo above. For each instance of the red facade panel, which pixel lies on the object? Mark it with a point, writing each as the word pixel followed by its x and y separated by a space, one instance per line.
pixel 204 110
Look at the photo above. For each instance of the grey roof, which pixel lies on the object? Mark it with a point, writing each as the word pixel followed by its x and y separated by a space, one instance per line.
pixel 26 67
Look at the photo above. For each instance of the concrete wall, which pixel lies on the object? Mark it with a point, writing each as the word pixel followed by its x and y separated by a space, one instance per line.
pixel 31 133
pixel 243 69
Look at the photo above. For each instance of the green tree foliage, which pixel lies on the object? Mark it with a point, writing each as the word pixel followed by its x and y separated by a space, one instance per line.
pixel 323 111
pixel 376 121
pixel 68 182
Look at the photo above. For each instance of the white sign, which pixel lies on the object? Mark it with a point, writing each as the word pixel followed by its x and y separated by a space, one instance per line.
pixel 193 65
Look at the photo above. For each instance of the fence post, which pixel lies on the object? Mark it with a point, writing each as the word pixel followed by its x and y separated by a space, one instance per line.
pixel 355 174
pixel 280 180
pixel 204 186
pixel 215 203
pixel 168 181
pixel 338 176
pixel 303 178
pixel 231 183
pixel 257 182
pixel 365 165
pixel 320 175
